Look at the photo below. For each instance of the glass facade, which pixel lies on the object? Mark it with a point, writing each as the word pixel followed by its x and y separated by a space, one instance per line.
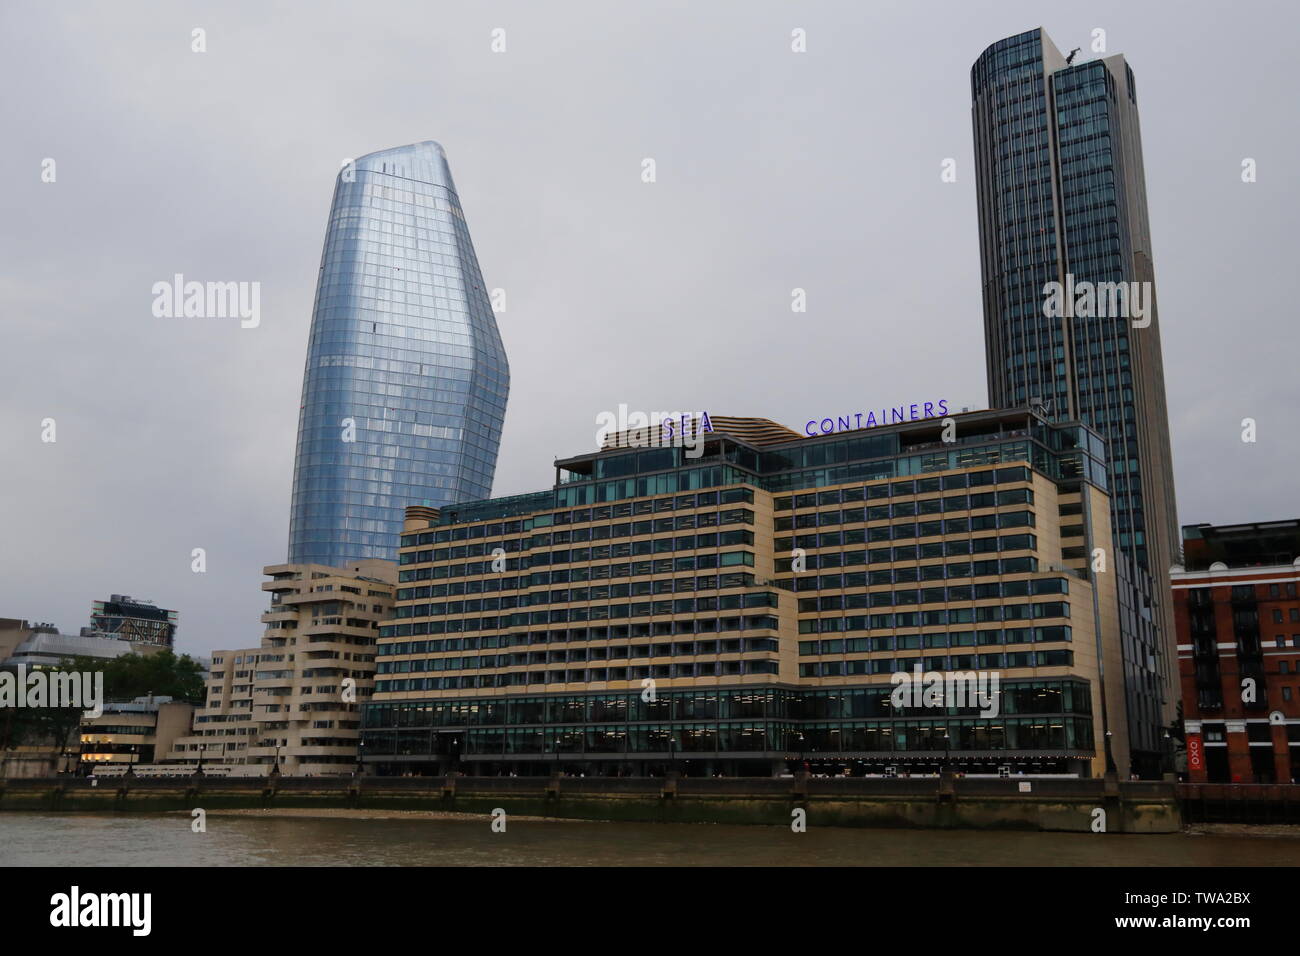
pixel 1061 195
pixel 830 724
pixel 406 380
pixel 1062 199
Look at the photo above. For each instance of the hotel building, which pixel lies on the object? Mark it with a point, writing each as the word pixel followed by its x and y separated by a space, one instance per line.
pixel 295 701
pixel 1238 618
pixel 1062 199
pixel 745 610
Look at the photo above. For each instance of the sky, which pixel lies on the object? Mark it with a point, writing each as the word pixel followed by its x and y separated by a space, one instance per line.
pixel 775 170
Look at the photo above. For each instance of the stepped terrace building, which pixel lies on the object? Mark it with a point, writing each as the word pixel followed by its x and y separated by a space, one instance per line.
pixel 749 610
pixel 295 701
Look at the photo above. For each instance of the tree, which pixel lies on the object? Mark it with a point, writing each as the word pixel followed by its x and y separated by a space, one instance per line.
pixel 126 677
pixel 162 674
pixel 41 726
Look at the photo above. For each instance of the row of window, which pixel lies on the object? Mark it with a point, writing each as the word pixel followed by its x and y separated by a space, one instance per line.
pixel 575 635
pixel 958 569
pixel 733 579
pixel 711 519
pixel 637 739
pixel 963 547
pixel 938 734
pixel 923 529
pixel 579 676
pixel 99 730
pixel 722 602
pixel 575 708
pixel 466 532
pixel 911 486
pixel 622 509
pixel 579 655
pixel 575 613
pixel 951 615
pixel 1050 696
pixel 946 734
pixel 906 509
pixel 954 662
pixel 961 569
pixel 956 593
pixel 693 606
pixel 980 591
pixel 911 642
pixel 578 555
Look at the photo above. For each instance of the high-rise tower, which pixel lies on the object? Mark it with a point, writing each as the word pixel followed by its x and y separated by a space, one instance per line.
pixel 1062 199
pixel 405 387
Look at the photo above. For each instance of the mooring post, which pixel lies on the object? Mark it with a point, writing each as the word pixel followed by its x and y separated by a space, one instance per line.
pixel 669 790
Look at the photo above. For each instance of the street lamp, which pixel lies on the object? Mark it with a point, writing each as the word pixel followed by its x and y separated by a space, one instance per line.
pixel 947 750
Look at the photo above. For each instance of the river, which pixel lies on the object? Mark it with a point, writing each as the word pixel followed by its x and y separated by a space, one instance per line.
pixel 138 839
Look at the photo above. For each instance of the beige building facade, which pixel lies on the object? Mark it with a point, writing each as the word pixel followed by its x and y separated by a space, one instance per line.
pixel 132 733
pixel 751 609
pixel 294 702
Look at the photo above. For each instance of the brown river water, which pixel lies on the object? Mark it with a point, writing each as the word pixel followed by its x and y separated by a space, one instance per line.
pixel 135 839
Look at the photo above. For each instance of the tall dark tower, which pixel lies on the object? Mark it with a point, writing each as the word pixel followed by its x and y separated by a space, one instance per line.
pixel 1062 199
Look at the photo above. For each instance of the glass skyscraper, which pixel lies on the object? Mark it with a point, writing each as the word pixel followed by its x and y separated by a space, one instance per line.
pixel 1062 199
pixel 405 387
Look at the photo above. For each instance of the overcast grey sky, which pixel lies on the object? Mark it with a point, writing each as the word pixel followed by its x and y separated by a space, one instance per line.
pixel 775 170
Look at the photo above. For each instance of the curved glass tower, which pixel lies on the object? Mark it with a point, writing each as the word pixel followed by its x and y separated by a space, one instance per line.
pixel 404 392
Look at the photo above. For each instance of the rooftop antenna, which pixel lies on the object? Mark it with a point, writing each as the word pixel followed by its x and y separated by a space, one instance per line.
pixel 1073 53
pixel 1040 407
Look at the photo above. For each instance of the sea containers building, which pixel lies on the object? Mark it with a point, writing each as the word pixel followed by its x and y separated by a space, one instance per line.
pixel 745 611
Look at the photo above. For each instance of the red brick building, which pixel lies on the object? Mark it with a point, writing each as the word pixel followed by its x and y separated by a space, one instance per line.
pixel 1237 616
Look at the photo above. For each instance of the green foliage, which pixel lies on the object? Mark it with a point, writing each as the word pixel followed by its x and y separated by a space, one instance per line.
pixel 54 727
pixel 132 675
pixel 162 674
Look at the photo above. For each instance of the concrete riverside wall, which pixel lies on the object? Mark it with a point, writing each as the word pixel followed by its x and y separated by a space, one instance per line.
pixel 1067 805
